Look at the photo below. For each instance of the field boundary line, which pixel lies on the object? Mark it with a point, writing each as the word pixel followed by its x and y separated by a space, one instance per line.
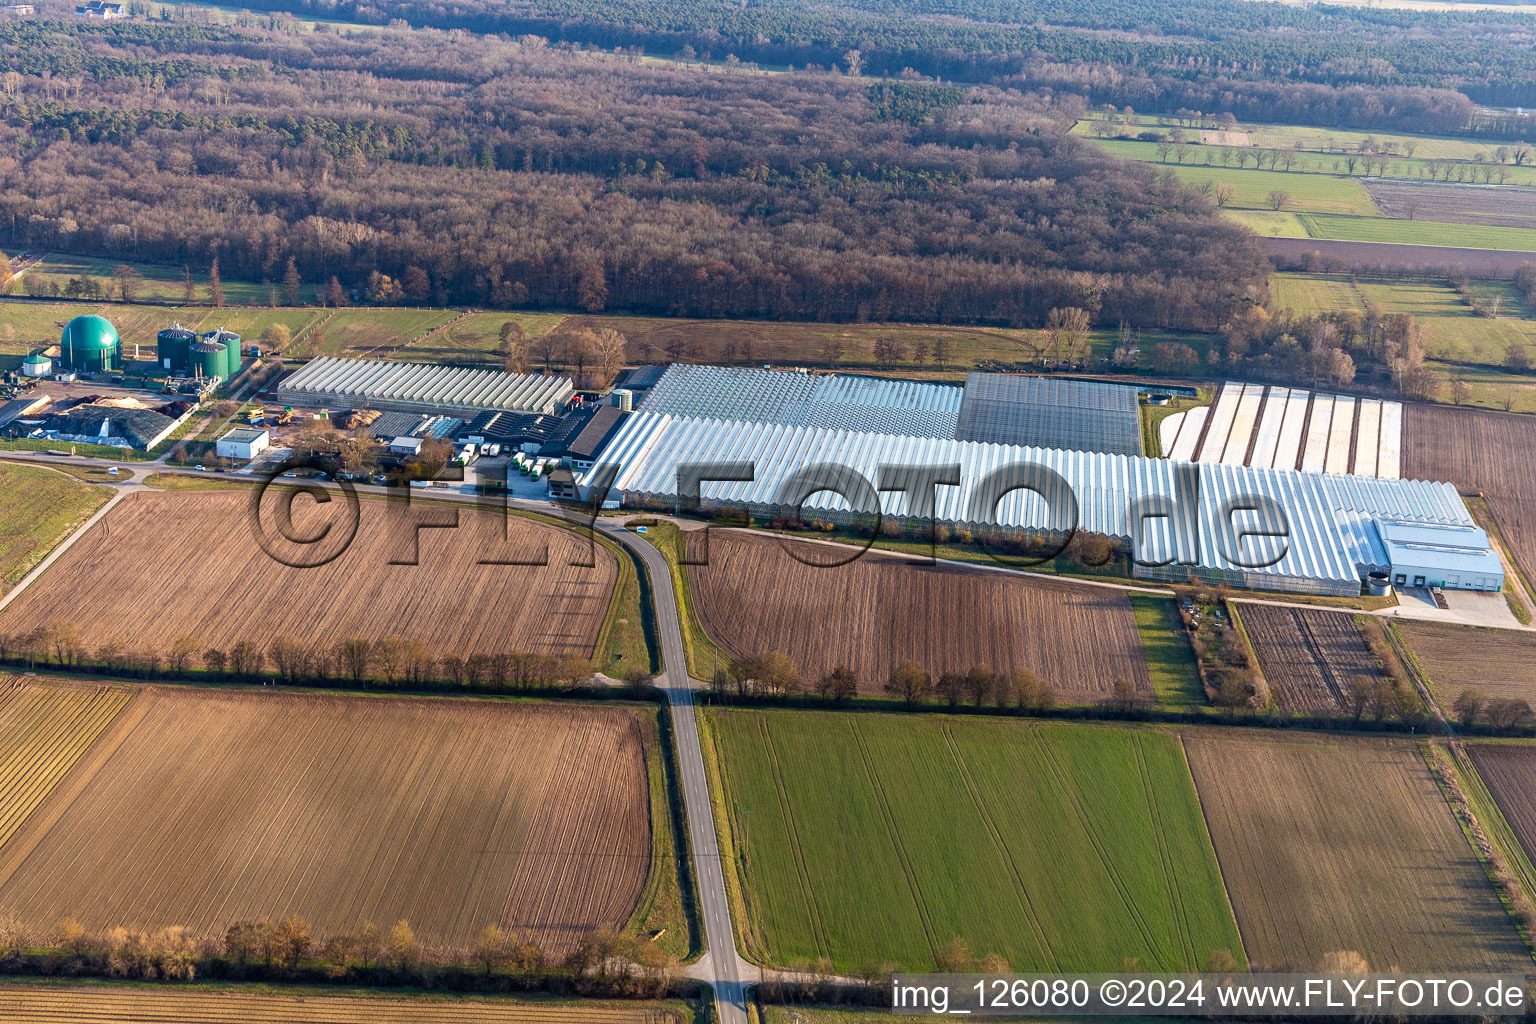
pixel 1210 840
pixel 1002 847
pixel 1501 832
pixel 1443 772
pixel 80 775
pixel 63 546
pixel 895 835
pixel 822 945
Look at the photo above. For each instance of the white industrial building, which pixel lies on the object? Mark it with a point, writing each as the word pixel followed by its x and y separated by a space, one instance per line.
pixel 1333 539
pixel 1445 555
pixel 418 387
pixel 243 443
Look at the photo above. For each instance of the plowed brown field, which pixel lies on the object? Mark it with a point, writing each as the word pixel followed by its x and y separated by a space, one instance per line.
pixel 1480 451
pixel 1332 843
pixel 100 1004
pixel 1510 772
pixel 203 808
pixel 44 729
pixel 1309 657
pixel 1500 662
pixel 170 564
pixel 881 610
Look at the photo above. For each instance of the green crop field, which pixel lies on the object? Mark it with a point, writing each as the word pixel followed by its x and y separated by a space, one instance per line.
pixel 1057 847
pixel 1306 294
pixel 1268 222
pixel 159 282
pixel 39 508
pixel 1310 163
pixel 1418 232
pixel 370 331
pixel 477 337
pixel 1315 141
pixel 1322 193
pixel 1456 332
pixel 1170 658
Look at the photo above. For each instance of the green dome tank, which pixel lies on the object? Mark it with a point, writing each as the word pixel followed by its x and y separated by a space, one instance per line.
pixel 229 341
pixel 172 344
pixel 90 343
pixel 206 359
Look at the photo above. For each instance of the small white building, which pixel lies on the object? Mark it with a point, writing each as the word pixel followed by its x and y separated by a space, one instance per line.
pixel 405 446
pixel 103 9
pixel 1444 555
pixel 243 443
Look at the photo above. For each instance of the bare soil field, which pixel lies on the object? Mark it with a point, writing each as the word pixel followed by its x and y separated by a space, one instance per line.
pixel 1367 257
pixel 204 808
pixel 1335 843
pixel 1488 452
pixel 1500 662
pixel 1309 657
pixel 44 729
pixel 117 1004
pixel 1510 772
pixel 1506 205
pixel 165 565
pixel 881 610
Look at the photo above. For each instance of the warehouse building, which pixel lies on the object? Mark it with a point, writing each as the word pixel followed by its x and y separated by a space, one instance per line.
pixel 243 443
pixel 417 387
pixel 582 435
pixel 1451 556
pixel 1214 522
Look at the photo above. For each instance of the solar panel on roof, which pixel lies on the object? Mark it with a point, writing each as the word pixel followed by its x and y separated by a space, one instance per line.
pixel 1049 412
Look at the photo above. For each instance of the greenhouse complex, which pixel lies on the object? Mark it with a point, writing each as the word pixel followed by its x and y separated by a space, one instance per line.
pixel 1257 527
pixel 418 387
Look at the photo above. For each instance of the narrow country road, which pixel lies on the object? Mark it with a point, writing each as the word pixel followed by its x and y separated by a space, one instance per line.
pixel 720 963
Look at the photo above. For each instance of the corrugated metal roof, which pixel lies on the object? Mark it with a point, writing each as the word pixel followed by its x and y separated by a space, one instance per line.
pixel 1331 517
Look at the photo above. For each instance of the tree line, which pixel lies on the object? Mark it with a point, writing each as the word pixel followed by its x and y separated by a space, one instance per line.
pixel 601 962
pixel 389 661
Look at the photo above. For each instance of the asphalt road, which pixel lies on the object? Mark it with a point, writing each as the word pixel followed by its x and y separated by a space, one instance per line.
pixel 722 966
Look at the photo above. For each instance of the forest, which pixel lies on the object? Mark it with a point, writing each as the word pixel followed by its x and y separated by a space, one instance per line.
pixel 483 170
pixel 990 41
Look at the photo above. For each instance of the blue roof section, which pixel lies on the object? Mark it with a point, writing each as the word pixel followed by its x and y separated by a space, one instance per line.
pixel 1454 548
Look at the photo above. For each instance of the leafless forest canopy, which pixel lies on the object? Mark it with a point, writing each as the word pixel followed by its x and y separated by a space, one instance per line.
pixel 485 170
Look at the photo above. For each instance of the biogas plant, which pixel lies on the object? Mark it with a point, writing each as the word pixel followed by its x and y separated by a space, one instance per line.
pixel 53 393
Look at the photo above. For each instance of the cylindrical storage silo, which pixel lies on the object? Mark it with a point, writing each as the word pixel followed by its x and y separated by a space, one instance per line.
pixel 206 359
pixel 36 365
pixel 171 347
pixel 624 399
pixel 230 341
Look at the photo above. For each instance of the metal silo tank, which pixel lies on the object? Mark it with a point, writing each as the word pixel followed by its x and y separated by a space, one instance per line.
pixel 231 342
pixel 171 344
pixel 206 359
